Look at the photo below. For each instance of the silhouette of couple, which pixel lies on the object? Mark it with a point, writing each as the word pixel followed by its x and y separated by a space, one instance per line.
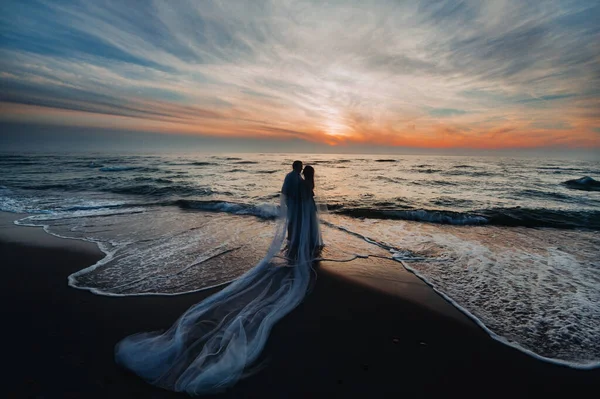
pixel 303 232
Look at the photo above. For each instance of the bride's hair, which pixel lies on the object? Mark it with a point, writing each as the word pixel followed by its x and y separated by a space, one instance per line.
pixel 309 176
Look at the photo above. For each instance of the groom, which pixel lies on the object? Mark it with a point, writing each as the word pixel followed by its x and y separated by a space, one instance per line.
pixel 291 190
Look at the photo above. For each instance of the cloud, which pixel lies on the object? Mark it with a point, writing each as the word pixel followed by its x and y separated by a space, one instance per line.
pixel 427 73
pixel 446 112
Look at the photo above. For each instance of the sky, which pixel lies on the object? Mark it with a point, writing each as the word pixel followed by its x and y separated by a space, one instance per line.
pixel 321 76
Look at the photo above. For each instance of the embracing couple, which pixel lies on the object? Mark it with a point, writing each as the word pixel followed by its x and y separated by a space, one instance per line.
pixel 303 233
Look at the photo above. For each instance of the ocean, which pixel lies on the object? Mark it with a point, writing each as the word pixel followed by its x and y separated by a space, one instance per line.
pixel 512 242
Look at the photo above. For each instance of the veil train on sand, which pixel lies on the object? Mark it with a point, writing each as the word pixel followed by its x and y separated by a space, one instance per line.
pixel 214 342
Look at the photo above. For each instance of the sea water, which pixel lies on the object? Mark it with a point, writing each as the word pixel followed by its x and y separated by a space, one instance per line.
pixel 512 242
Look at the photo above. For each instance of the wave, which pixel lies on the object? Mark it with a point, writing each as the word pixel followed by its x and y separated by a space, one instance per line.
pixel 385 204
pixel 559 168
pixel 463 166
pixel 119 205
pixel 18 162
pixel 422 215
pixel 532 193
pixel 159 180
pixel 511 217
pixel 85 212
pixel 140 185
pixel 199 163
pixel 313 163
pixel 585 183
pixel 153 190
pixel 482 174
pixel 80 185
pixel 118 168
pixel 561 219
pixel 327 162
pixel 468 172
pixel 263 211
pixel 385 160
pixel 390 179
pixel 452 202
pixel 433 183
pixel 92 208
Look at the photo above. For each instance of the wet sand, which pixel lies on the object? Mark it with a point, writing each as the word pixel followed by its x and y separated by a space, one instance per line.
pixel 353 336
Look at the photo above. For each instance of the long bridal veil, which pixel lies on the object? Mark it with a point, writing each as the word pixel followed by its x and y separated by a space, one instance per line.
pixel 215 341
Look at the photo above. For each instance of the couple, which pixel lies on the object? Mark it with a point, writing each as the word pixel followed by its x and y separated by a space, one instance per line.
pixel 215 342
pixel 302 221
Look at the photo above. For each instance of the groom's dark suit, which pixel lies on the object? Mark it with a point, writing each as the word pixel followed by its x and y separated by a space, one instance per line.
pixel 291 189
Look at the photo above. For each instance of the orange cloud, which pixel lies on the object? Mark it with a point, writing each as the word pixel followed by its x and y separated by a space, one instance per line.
pixel 354 130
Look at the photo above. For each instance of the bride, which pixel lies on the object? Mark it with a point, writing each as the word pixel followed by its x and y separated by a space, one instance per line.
pixel 214 342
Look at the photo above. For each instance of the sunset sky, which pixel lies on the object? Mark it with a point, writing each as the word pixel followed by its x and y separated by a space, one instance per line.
pixel 320 74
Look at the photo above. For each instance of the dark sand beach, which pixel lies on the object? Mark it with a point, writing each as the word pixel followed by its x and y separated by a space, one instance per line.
pixel 350 337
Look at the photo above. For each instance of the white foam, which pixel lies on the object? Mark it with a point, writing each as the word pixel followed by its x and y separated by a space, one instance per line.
pixel 83 213
pixel 109 252
pixel 177 253
pixel 262 210
pixel 266 210
pixel 517 284
pixel 8 204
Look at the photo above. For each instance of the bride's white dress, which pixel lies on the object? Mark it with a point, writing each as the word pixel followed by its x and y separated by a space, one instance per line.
pixel 215 341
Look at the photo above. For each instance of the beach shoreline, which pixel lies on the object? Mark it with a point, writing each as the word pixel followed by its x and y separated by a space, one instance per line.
pixel 352 336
